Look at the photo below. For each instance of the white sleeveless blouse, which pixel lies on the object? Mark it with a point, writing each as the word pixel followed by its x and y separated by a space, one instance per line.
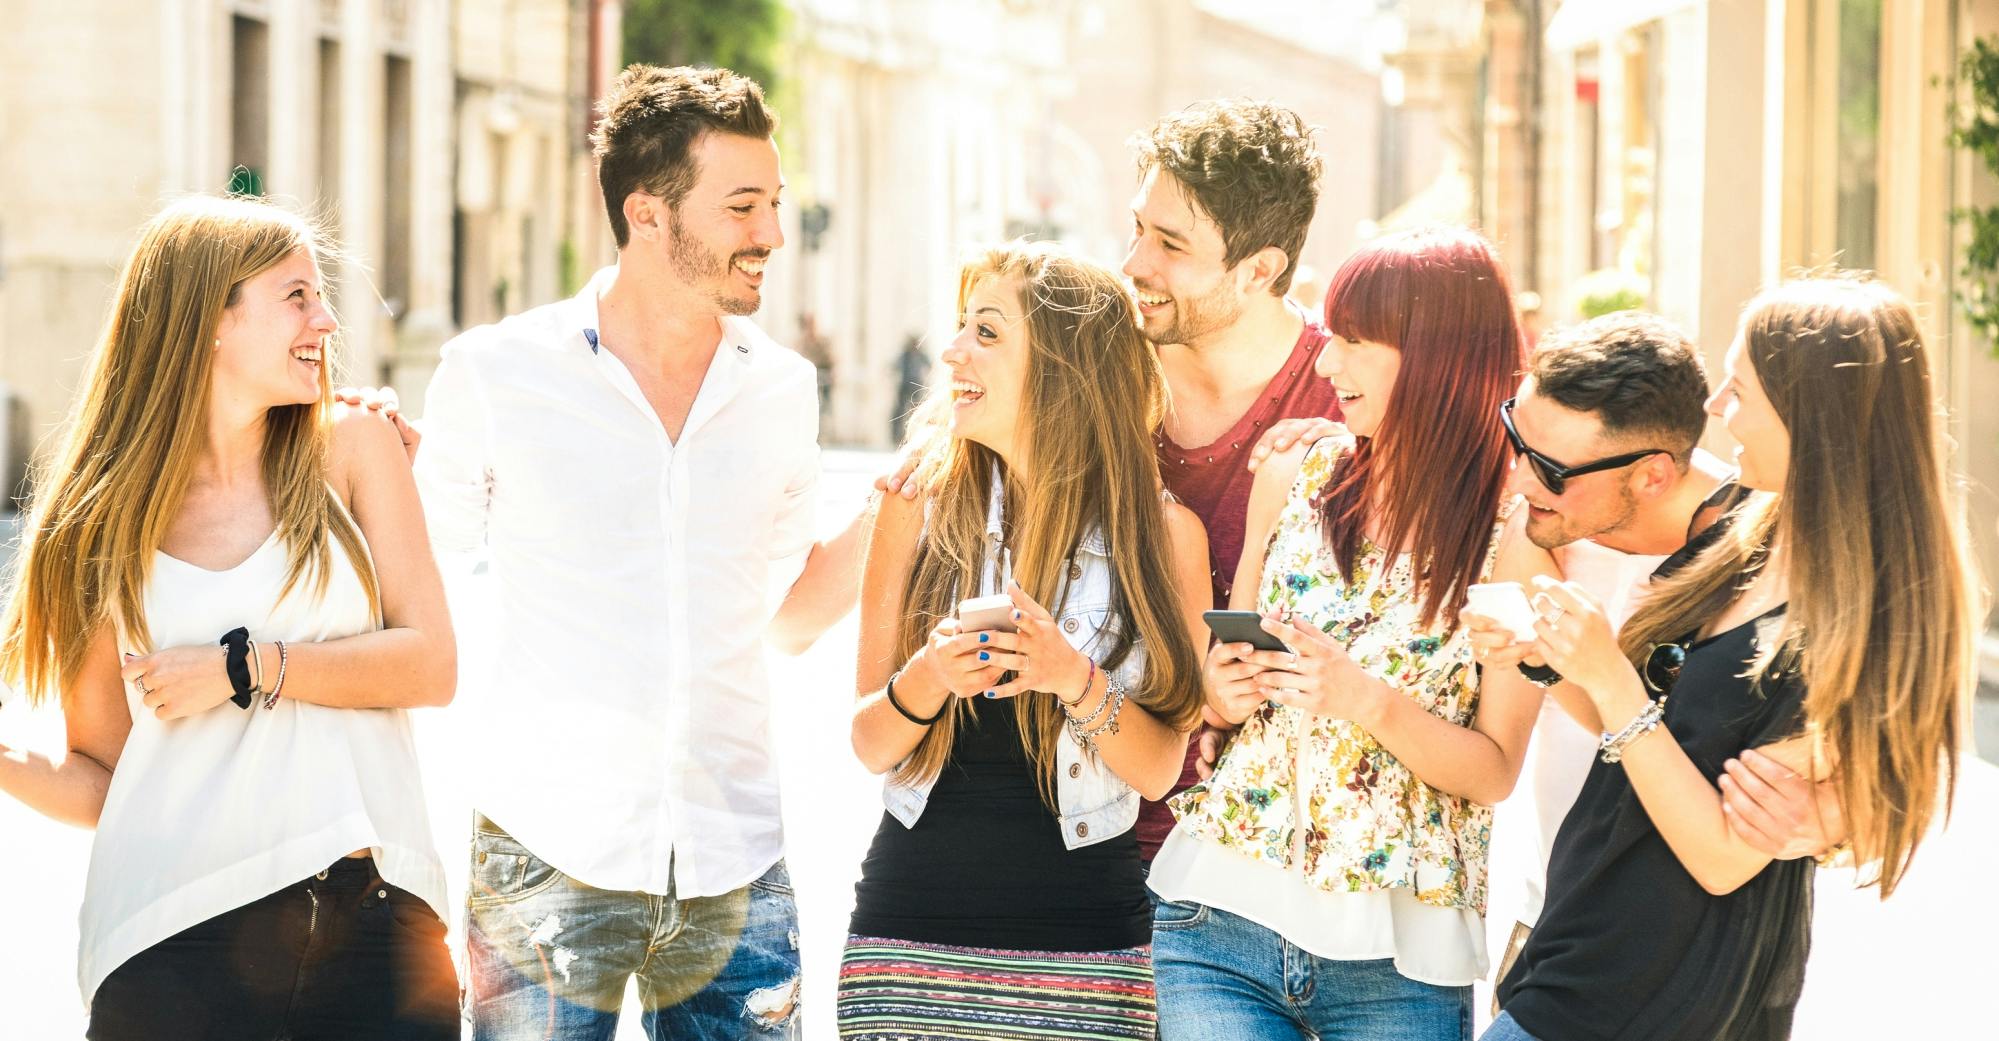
pixel 215 811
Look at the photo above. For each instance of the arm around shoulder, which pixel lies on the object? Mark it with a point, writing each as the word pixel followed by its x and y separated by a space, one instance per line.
pixel 96 719
pixel 881 736
pixel 1267 494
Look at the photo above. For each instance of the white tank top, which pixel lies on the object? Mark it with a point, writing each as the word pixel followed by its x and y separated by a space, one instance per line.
pixel 212 812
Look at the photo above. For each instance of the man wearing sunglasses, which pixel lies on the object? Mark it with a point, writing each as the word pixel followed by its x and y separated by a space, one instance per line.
pixel 1604 433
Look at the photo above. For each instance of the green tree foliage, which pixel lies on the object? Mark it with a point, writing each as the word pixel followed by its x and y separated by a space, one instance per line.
pixel 1607 290
pixel 1975 128
pixel 741 35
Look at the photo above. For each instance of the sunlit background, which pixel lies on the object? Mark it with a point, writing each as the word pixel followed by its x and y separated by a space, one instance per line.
pixel 1667 154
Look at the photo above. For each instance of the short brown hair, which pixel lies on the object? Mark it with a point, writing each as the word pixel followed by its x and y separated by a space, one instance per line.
pixel 1637 373
pixel 1251 166
pixel 652 117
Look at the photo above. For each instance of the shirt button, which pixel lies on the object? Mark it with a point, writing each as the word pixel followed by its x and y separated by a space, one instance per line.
pixel 1075 571
pixel 1075 770
pixel 1068 625
pixel 1083 830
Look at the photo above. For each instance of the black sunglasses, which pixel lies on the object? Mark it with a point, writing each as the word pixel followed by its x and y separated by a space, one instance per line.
pixel 1662 666
pixel 1554 475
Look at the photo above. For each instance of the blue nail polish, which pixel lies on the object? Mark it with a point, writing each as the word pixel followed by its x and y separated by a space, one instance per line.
pixel 983 637
pixel 983 656
pixel 991 694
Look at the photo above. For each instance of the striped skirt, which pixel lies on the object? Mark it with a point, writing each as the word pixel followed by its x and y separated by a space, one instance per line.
pixel 895 990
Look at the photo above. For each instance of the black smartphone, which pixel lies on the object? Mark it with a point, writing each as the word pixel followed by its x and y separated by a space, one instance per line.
pixel 1242 627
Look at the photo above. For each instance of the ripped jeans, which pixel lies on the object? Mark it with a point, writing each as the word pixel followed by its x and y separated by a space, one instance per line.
pixel 548 956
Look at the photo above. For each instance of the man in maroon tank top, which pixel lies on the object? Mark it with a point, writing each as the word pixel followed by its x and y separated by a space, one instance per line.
pixel 1226 194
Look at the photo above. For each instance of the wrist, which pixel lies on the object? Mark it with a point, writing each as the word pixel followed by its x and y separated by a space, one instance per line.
pixel 921 688
pixel 1620 702
pixel 1085 678
pixel 1372 700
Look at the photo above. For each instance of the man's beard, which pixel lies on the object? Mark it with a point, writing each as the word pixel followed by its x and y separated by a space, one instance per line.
pixel 1200 317
pixel 696 266
pixel 1567 529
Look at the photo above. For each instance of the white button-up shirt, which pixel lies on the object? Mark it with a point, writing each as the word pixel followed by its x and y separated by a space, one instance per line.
pixel 625 734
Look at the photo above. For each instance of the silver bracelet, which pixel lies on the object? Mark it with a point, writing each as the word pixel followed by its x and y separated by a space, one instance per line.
pixel 1610 747
pixel 1078 723
pixel 1114 700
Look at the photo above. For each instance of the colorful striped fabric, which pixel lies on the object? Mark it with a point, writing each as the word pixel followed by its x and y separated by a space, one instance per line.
pixel 896 990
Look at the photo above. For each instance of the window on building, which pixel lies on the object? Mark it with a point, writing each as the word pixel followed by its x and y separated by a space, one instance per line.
pixel 397 189
pixel 1841 168
pixel 328 194
pixel 249 105
pixel 1858 131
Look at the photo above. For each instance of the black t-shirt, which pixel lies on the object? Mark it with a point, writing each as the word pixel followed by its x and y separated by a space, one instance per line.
pixel 985 865
pixel 1629 946
pixel 1717 509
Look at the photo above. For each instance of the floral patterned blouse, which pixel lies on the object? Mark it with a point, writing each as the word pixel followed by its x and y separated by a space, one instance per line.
pixel 1369 824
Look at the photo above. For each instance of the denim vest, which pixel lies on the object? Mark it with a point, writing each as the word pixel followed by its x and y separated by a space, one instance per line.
pixel 1095 803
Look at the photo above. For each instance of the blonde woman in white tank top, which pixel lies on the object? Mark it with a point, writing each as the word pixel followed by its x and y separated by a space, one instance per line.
pixel 264 870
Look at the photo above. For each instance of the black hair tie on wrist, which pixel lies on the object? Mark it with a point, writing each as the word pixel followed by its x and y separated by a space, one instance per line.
pixel 907 714
pixel 236 662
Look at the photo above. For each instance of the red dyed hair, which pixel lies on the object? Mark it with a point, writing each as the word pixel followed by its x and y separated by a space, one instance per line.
pixel 1436 465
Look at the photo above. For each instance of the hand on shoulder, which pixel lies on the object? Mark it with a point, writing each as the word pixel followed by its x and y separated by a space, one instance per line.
pixel 1287 435
pixel 364 444
pixel 380 406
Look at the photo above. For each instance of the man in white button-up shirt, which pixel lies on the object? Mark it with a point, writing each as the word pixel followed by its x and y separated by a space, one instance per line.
pixel 640 463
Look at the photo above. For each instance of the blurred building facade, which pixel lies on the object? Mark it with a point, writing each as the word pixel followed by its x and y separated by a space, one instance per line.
pixel 442 142
pixel 1708 148
pixel 914 131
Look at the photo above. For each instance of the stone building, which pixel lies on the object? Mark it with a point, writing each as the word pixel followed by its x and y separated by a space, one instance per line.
pixel 442 142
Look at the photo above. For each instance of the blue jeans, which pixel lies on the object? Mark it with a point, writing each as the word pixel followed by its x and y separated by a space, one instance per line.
pixel 1506 1028
pixel 1222 977
pixel 548 956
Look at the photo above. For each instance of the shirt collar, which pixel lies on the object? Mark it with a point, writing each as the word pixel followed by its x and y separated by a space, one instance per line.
pixel 740 336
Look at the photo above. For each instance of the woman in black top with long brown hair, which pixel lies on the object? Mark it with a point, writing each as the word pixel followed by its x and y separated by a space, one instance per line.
pixel 1830 627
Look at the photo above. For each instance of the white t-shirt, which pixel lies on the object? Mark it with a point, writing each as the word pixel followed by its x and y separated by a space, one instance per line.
pixel 1559 756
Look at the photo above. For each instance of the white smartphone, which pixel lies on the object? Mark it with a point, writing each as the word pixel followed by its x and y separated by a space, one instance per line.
pixel 986 614
pixel 1505 603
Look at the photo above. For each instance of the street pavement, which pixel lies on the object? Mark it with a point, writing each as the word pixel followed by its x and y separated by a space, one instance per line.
pixel 1916 966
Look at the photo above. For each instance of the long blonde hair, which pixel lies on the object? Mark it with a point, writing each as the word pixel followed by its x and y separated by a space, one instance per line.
pixel 1882 616
pixel 1092 396
pixel 105 500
